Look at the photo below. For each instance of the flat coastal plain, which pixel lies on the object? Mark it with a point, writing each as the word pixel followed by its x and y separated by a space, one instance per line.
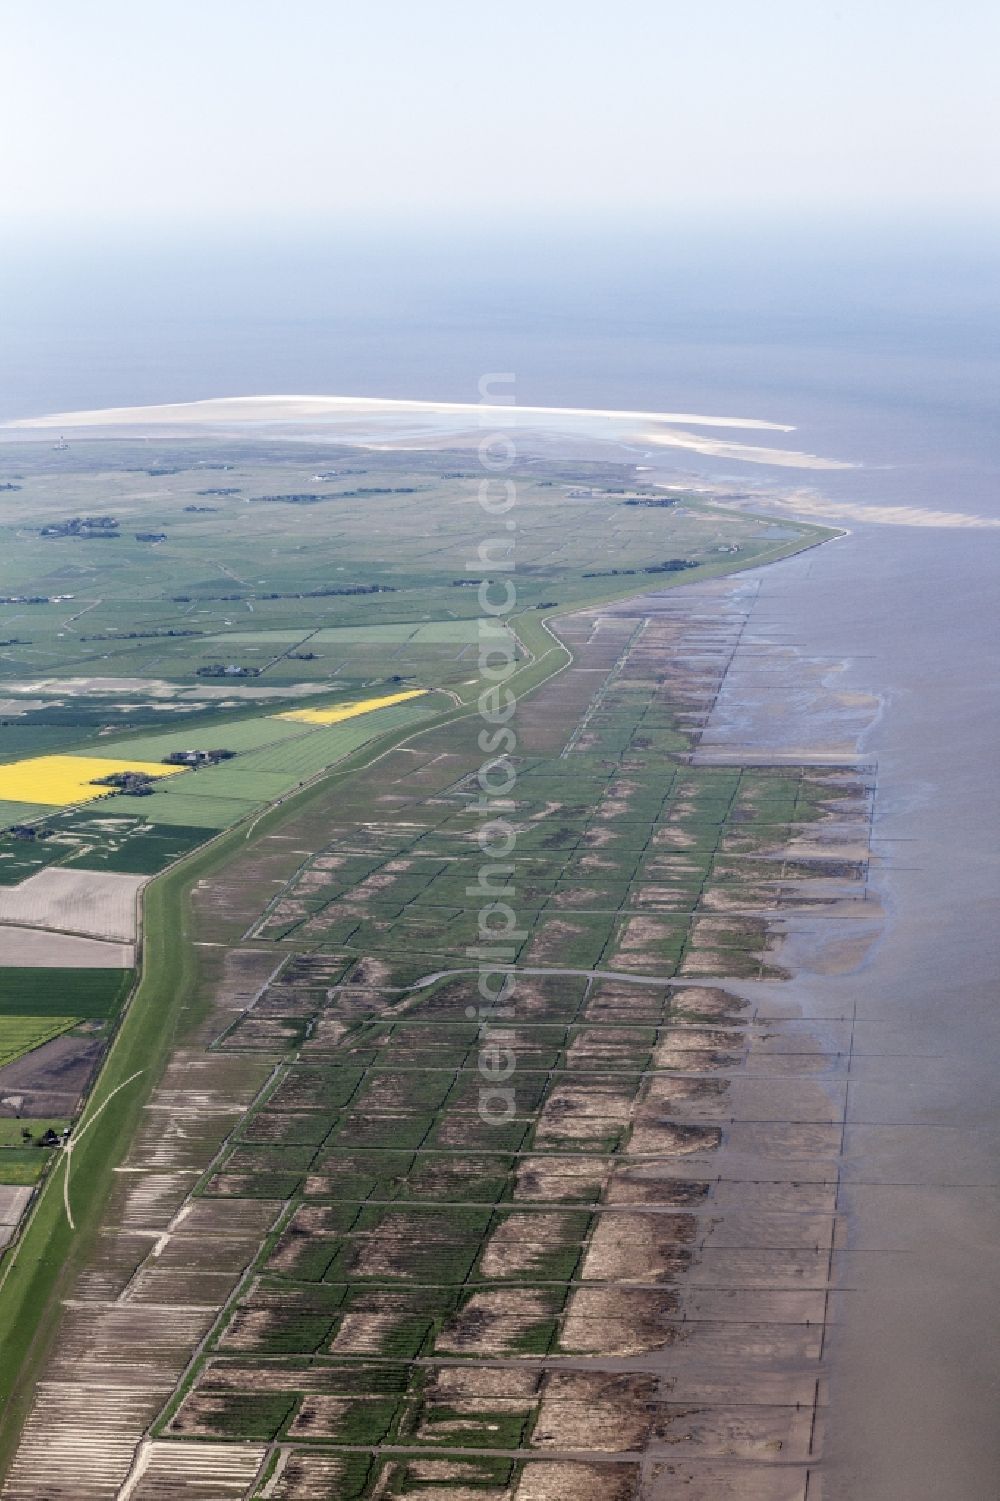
pixel 291 1246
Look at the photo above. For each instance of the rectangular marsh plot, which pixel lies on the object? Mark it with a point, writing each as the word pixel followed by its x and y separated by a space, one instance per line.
pixel 252 1217
pixel 218 1413
pixel 113 1334
pixel 386 1322
pixel 149 1201
pixel 551 1180
pixel 196 1471
pixel 302 1476
pixel 112 1265
pixel 559 1481
pixel 202 1251
pixel 538 1245
pixel 79 1440
pixel 448 1177
pixel 165 1286
pixel 245 974
pixel 289 1127
pixel 179 1143
pixel 504 1322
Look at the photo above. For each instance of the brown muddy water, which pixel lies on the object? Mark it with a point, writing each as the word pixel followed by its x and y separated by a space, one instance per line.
pixel 884 645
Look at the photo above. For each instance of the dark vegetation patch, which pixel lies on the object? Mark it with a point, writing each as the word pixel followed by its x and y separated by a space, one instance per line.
pixel 87 993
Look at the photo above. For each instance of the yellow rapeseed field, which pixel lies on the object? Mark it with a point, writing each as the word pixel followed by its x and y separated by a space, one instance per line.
pixel 346 711
pixel 60 781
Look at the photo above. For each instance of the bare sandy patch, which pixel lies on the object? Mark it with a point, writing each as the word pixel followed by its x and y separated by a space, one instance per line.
pixel 555 1179
pixel 619 1321
pixel 710 1001
pixel 286 408
pixel 665 1138
pixel 490 1383
pixel 638 1247
pixel 599 1410
pixel 556 1481
pixel 383 422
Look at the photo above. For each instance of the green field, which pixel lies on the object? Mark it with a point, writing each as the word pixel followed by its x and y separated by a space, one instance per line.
pixel 23 1159
pixel 20 1034
pixel 13 813
pixel 21 1167
pixel 261 579
pixel 105 838
pixel 434 632
pixel 311 753
pixel 272 757
pixel 95 993
pixel 12 1131
pixel 239 735
pixel 187 811
pixel 22 740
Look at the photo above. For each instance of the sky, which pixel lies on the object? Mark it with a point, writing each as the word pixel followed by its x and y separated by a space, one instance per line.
pixel 181 114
